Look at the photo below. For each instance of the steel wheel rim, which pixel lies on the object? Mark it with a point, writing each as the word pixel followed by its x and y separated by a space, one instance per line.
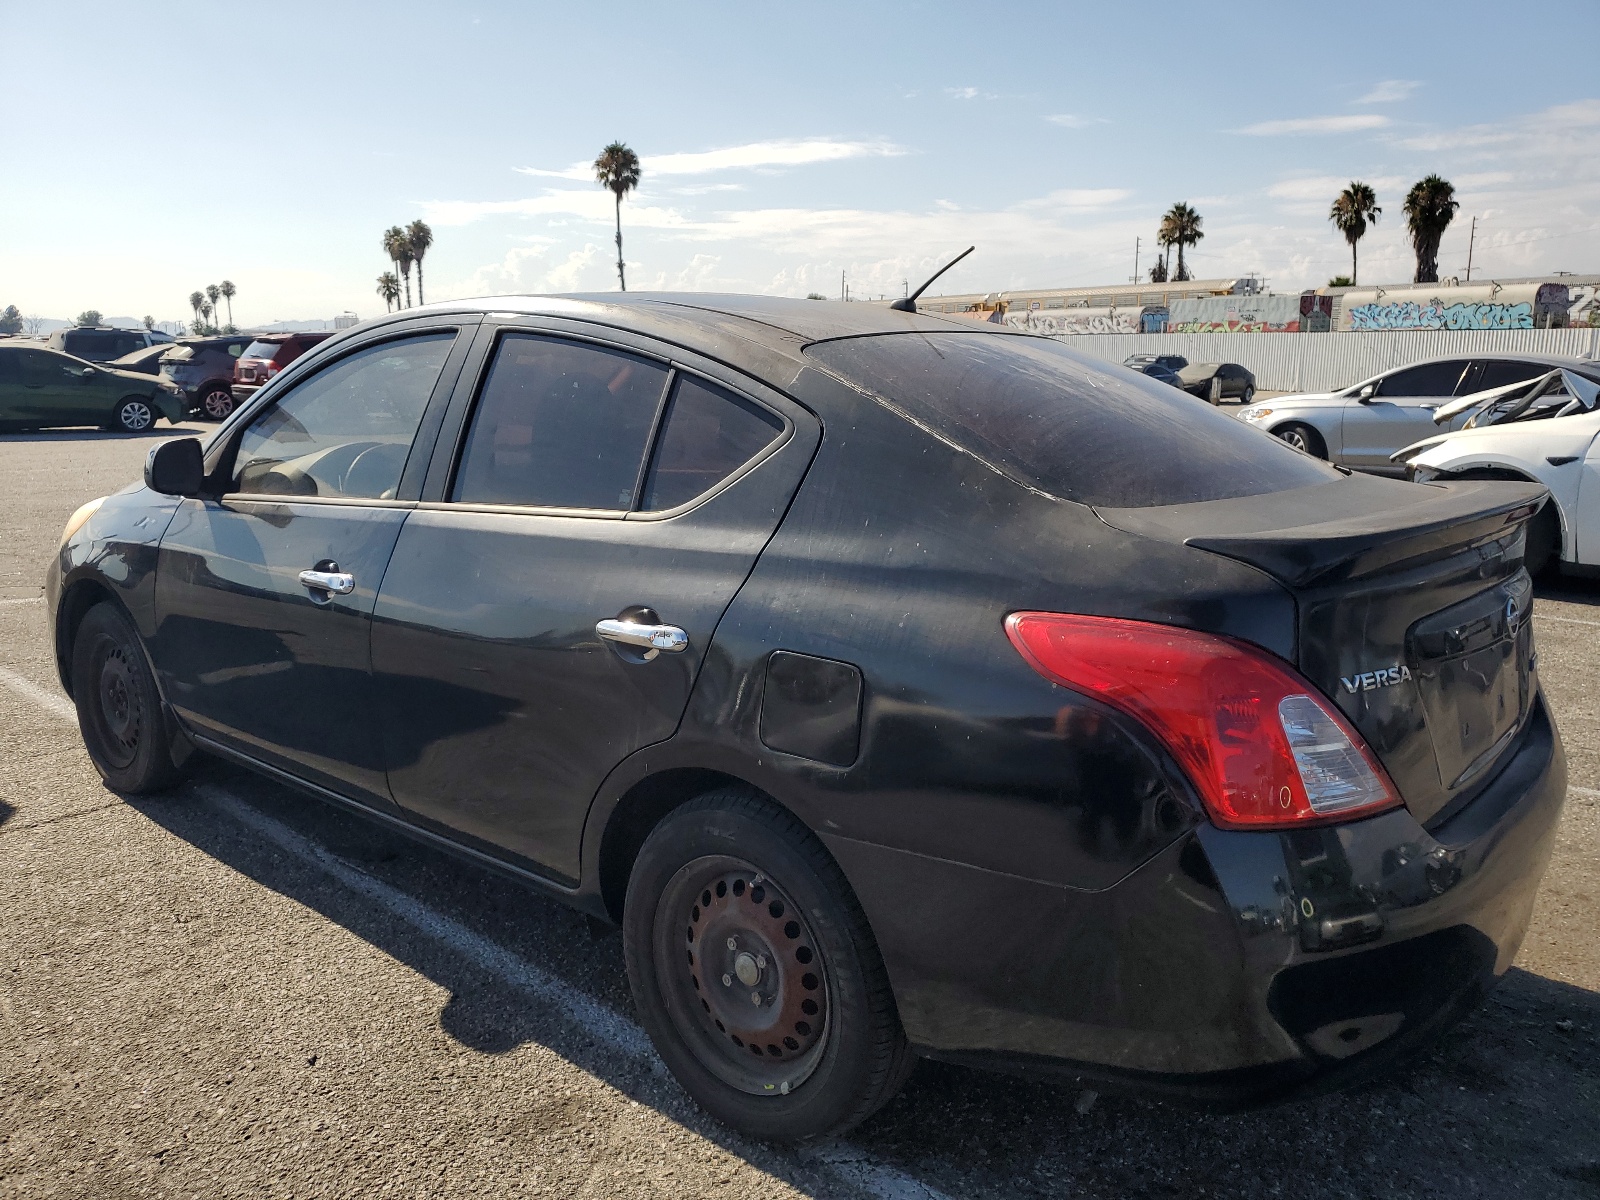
pixel 721 918
pixel 136 417
pixel 217 404
pixel 118 711
pixel 1296 439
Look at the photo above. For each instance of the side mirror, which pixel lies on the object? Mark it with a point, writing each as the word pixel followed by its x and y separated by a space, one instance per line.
pixel 176 468
pixel 1367 392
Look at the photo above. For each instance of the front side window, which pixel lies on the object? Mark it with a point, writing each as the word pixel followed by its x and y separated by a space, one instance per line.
pixel 708 434
pixel 346 430
pixel 560 424
pixel 1434 380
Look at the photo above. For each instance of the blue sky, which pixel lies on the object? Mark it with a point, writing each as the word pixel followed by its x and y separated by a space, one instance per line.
pixel 151 149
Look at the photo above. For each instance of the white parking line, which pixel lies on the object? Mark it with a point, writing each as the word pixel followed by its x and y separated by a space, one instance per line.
pixel 52 702
pixel 851 1165
pixel 11 601
pixel 1564 620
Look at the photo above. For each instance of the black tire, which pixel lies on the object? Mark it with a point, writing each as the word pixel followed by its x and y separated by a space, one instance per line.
pixel 119 708
pixel 136 414
pixel 216 401
pixel 1543 549
pixel 1248 395
pixel 730 887
pixel 1303 437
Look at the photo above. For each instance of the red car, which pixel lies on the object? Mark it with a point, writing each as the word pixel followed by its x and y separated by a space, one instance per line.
pixel 266 356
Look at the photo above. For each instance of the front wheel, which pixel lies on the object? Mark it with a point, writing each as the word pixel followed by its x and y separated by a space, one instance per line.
pixel 119 708
pixel 756 975
pixel 1249 395
pixel 134 415
pixel 1303 437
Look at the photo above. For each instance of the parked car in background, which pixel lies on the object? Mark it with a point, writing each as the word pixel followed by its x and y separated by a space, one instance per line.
pixel 1161 372
pixel 263 358
pixel 1217 382
pixel 101 343
pixel 1361 426
pixel 202 368
pixel 1172 362
pixel 1066 728
pixel 1542 430
pixel 40 387
pixel 142 362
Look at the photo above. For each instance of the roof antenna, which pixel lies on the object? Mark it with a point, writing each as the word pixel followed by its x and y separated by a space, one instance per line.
pixel 909 303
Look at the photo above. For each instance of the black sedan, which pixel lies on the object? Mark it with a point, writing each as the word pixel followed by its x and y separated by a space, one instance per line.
pixel 895 692
pixel 1160 373
pixel 1217 382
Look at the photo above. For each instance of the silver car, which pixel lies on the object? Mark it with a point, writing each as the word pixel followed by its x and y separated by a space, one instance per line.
pixel 1361 426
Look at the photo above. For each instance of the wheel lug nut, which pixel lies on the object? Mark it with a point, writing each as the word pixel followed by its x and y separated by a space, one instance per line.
pixel 755 997
pixel 761 961
pixel 727 981
pixel 732 945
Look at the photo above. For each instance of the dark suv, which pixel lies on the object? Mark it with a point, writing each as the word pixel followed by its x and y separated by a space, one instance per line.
pixel 101 343
pixel 266 356
pixel 202 369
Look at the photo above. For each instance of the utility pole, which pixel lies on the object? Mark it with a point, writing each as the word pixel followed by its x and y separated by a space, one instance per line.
pixel 1135 261
pixel 1471 238
pixel 841 287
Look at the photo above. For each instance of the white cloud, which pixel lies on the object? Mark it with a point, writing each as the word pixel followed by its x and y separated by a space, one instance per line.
pixel 966 93
pixel 1349 123
pixel 1074 121
pixel 1321 189
pixel 798 152
pixel 1390 91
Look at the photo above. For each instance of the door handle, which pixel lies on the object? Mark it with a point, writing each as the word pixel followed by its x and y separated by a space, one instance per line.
pixel 650 638
pixel 336 583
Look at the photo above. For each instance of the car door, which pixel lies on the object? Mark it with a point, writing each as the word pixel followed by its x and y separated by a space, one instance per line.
pixel 597 480
pixel 54 388
pixel 1398 411
pixel 12 393
pixel 264 595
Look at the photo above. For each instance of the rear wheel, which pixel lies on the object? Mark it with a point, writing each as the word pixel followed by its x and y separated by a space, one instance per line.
pixel 756 975
pixel 1303 437
pixel 216 401
pixel 134 415
pixel 119 708
pixel 1544 541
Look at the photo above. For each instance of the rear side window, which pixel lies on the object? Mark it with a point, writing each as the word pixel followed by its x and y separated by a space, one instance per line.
pixel 1067 424
pixel 708 434
pixel 1498 372
pixel 560 424
pixel 1428 380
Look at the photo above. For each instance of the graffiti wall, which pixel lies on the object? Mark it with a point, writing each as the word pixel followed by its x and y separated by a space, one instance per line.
pixel 1408 314
pixel 1056 322
pixel 1235 314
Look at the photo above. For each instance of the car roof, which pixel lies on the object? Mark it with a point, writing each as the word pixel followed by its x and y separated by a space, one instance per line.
pixel 700 320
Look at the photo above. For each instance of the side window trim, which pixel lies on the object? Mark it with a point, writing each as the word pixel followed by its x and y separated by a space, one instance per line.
pixel 220 456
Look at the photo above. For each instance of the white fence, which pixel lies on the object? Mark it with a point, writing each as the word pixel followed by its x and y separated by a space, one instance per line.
pixel 1316 362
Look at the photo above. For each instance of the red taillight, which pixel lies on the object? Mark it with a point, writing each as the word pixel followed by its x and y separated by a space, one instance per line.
pixel 1262 746
pixel 272 368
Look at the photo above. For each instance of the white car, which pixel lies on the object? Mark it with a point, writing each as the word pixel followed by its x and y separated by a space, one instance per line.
pixel 1547 431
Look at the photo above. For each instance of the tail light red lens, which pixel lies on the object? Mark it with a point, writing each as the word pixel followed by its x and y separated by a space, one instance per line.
pixel 1262 746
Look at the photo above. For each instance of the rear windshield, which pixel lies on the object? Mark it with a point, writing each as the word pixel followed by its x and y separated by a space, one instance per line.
pixel 1072 426
pixel 262 349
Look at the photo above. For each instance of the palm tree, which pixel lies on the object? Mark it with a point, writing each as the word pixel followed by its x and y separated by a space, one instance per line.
pixel 1181 226
pixel 399 252
pixel 1353 210
pixel 196 299
pixel 214 293
pixel 228 293
pixel 617 170
pixel 1166 239
pixel 1430 207
pixel 389 289
pixel 419 237
pixel 205 313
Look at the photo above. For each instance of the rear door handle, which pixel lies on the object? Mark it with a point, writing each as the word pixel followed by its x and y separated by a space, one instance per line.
pixel 649 638
pixel 336 583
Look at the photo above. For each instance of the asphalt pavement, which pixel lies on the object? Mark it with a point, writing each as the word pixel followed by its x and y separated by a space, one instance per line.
pixel 233 990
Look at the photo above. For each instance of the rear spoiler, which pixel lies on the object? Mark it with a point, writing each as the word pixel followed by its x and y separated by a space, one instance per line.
pixel 1349 529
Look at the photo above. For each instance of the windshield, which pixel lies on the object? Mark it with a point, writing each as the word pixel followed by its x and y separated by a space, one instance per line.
pixel 1066 424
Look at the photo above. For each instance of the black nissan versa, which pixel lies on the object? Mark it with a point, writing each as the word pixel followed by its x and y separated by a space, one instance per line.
pixel 902 686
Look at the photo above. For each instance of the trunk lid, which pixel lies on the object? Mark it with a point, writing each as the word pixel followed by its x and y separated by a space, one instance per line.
pixel 1413 612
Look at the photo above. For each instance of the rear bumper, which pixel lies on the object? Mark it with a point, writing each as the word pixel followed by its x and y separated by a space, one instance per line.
pixel 1232 966
pixel 243 391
